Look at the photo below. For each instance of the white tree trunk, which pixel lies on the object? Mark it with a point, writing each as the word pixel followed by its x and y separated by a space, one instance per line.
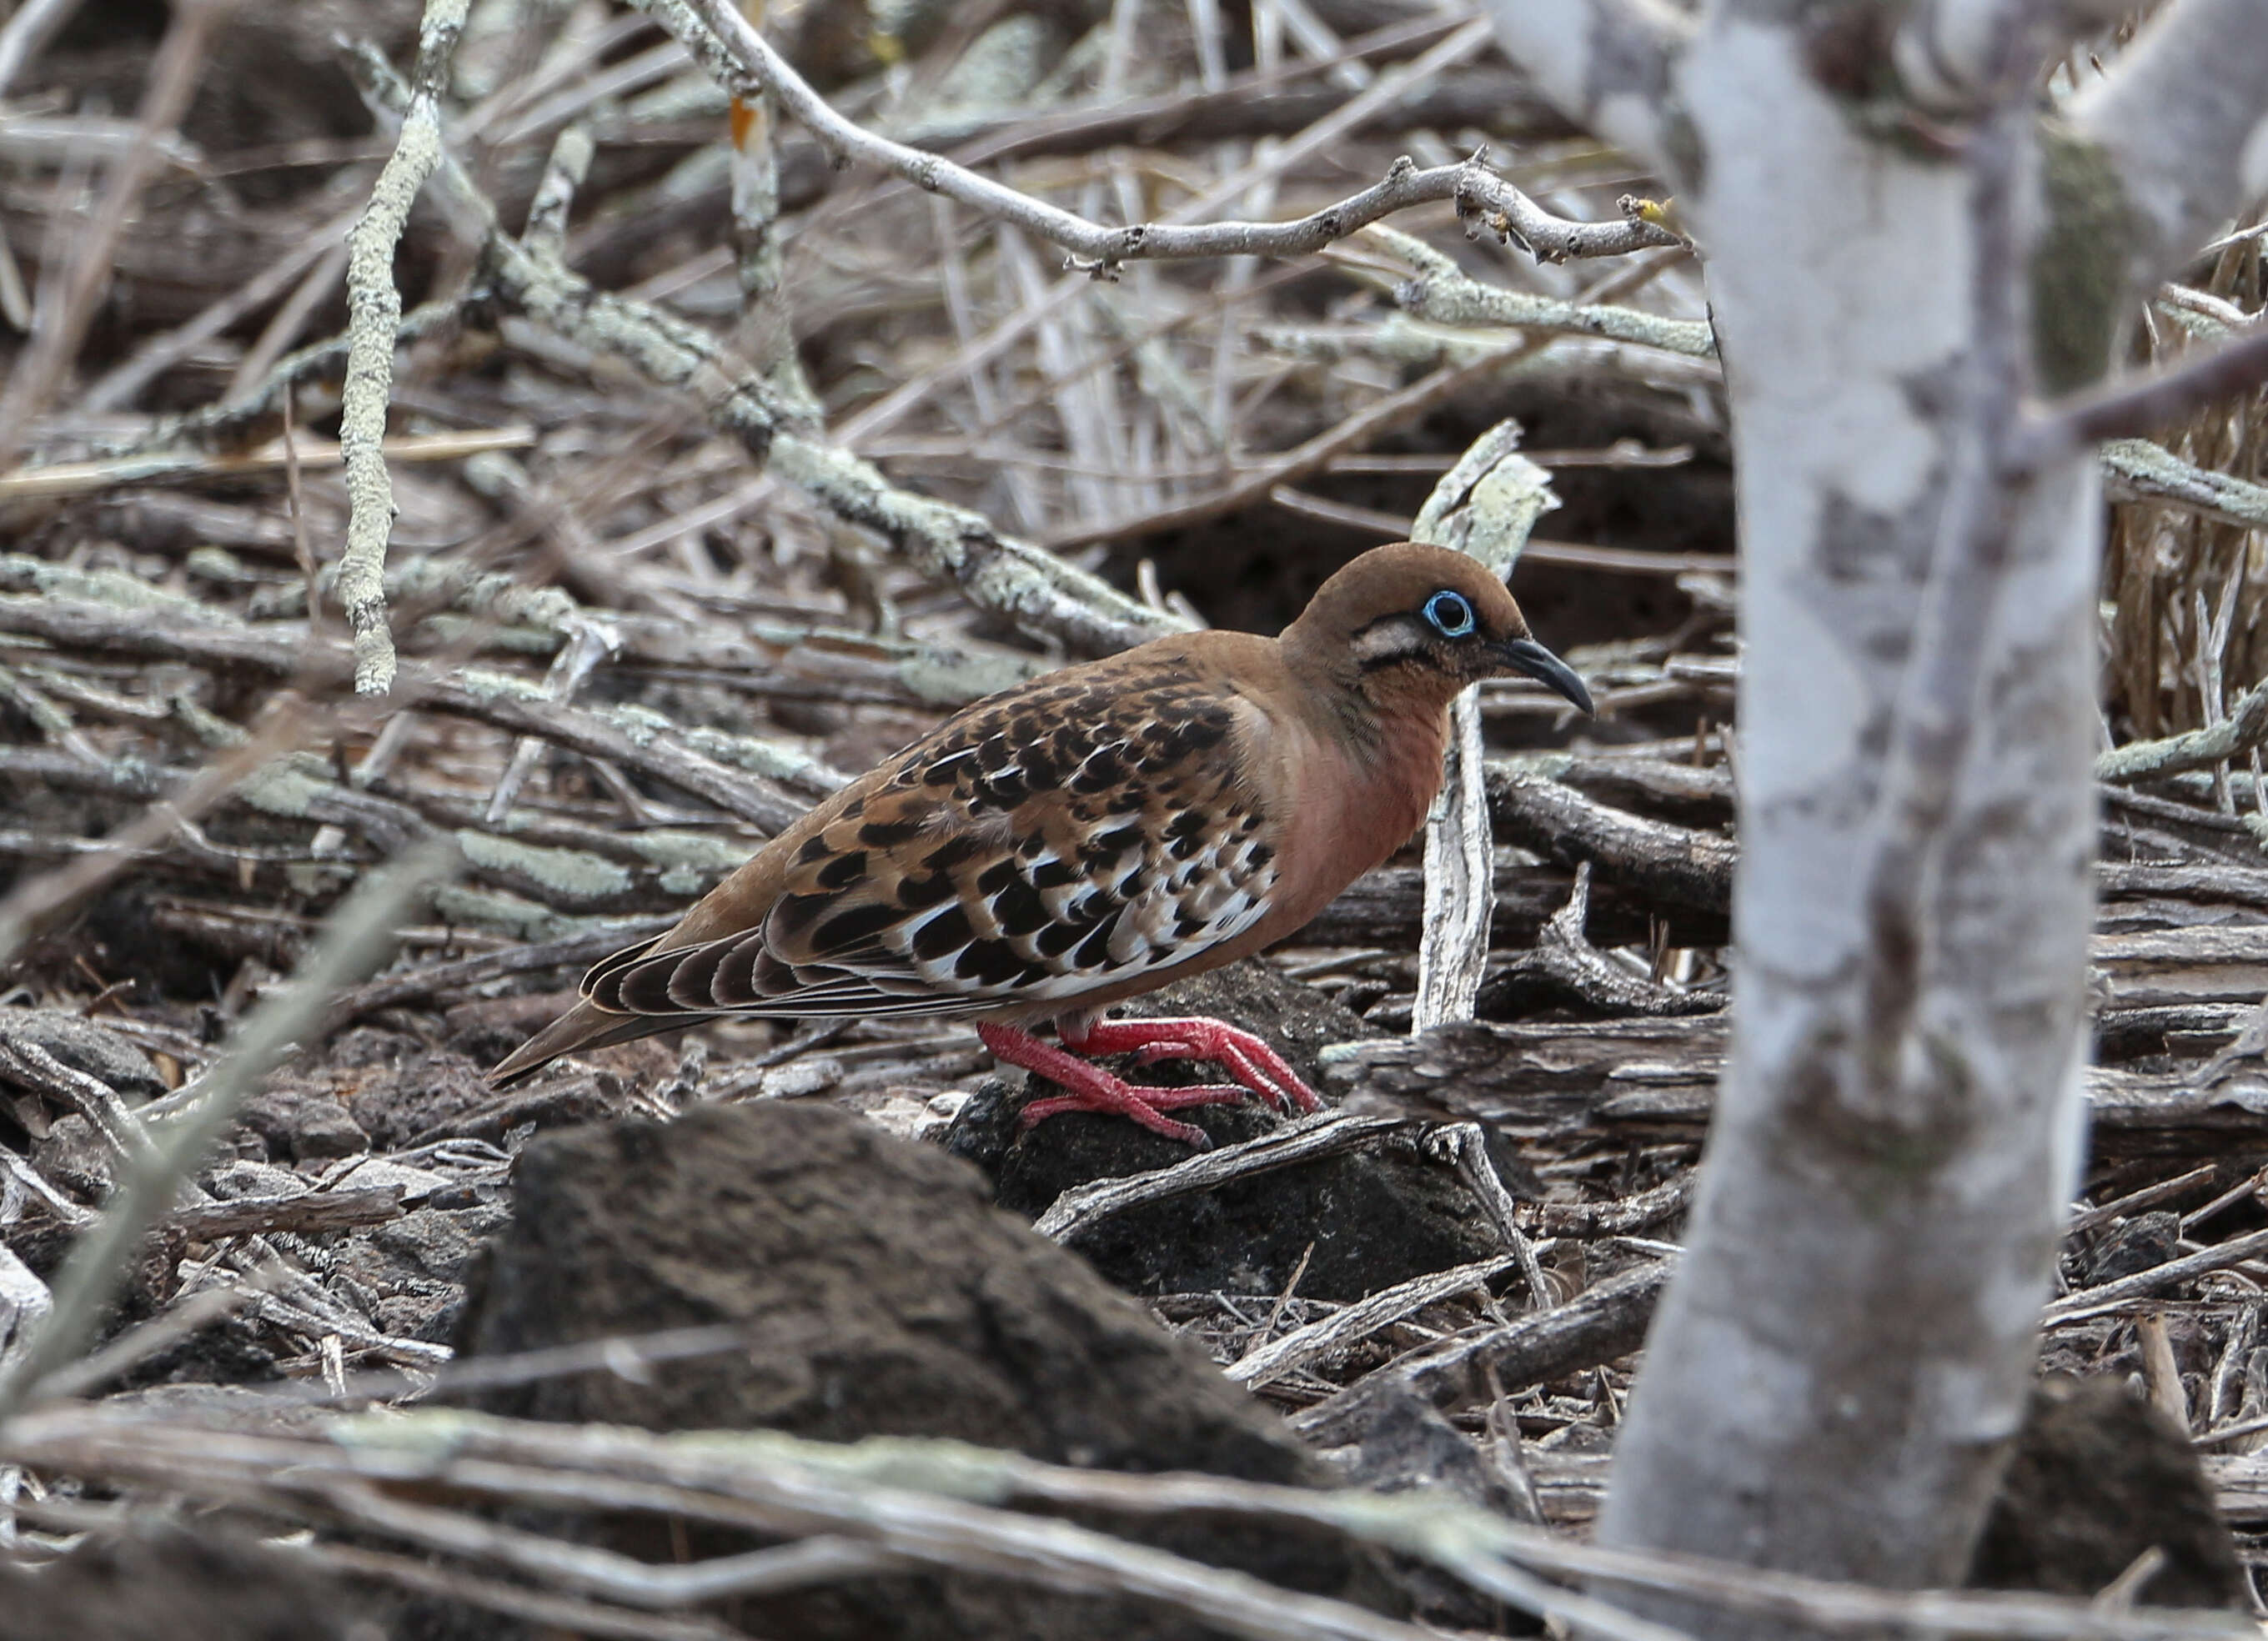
pixel 1851 1335
pixel 1849 1338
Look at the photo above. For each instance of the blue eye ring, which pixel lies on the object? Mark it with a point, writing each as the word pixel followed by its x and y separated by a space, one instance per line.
pixel 1449 614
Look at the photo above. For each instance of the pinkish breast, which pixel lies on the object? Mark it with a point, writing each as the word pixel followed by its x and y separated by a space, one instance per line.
pixel 1357 805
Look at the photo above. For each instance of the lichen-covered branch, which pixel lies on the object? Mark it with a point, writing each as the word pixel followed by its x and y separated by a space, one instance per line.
pixel 2135 469
pixel 374 317
pixel 1447 295
pixel 1040 592
pixel 2245 727
pixel 554 193
pixel 732 49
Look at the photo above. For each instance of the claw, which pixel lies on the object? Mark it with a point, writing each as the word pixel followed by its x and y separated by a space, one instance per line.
pixel 1092 1088
pixel 1258 1068
pixel 1251 1060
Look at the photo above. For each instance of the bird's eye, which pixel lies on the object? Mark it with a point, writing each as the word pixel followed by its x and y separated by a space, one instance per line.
pixel 1450 615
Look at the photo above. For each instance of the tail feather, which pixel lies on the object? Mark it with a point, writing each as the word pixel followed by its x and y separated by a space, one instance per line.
pixel 586 1026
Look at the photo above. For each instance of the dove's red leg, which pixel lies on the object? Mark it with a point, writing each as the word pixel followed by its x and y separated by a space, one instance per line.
pixel 1091 1088
pixel 1255 1065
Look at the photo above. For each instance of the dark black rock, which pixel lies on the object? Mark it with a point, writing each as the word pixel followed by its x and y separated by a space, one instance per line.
pixel 887 1299
pixel 307 1124
pixel 1374 1216
pixel 2143 1243
pixel 1411 1448
pixel 2098 1477
pixel 415 1268
pixel 429 1096
pixel 84 1045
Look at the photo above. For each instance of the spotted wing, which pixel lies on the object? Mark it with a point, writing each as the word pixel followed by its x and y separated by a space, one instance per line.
pixel 1045 844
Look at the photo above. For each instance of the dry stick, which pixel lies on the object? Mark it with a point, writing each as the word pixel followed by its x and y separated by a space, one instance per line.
pixel 1325 1135
pixel 373 323
pixel 303 1213
pixel 1625 1214
pixel 1484 507
pixel 2245 727
pixel 564 1613
pixel 1604 1321
pixel 104 472
pixel 2110 1295
pixel 27 32
pixel 1320 136
pixel 358 937
pixel 1278 1357
pixel 2150 1196
pixel 58 331
pixel 739 57
pixel 2128 408
pixel 1467 1145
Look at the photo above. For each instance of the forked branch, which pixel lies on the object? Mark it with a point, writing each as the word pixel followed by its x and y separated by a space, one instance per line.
pixel 738 57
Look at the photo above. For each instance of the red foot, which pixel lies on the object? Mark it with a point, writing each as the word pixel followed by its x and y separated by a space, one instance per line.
pixel 1093 1089
pixel 1255 1065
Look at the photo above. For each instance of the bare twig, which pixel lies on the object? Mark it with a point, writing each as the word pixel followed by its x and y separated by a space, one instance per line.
pixel 33 24
pixel 1275 1358
pixel 2129 408
pixel 2110 1295
pixel 1324 1135
pixel 739 58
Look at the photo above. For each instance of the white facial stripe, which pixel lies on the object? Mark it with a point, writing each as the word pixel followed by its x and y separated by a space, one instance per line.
pixel 1387 640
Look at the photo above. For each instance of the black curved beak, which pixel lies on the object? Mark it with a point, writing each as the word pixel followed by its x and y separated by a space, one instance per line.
pixel 1525 655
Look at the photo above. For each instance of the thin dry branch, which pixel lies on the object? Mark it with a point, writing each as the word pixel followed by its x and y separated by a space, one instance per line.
pixel 1325 1134
pixel 1035 589
pixel 2126 409
pixel 741 59
pixel 946 1504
